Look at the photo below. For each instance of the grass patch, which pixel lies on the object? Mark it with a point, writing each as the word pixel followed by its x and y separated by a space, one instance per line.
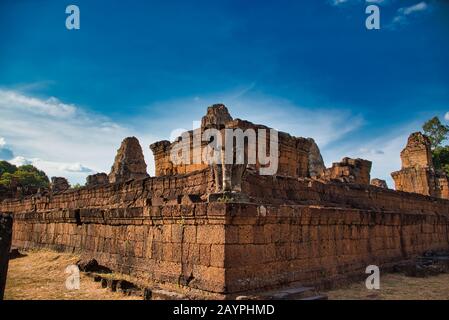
pixel 40 275
pixel 397 287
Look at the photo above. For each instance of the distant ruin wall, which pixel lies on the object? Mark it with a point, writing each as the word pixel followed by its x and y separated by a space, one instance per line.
pixel 295 230
pixel 287 190
pixel 418 173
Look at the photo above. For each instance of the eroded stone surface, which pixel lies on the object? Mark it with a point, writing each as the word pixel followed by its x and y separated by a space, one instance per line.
pixel 216 117
pixel 379 183
pixel 97 179
pixel 129 162
pixel 349 171
pixel 164 229
pixel 297 157
pixel 418 174
pixel 316 163
pixel 59 184
pixel 417 153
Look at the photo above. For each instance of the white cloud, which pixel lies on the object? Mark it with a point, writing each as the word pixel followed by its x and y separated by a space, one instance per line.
pixel 383 150
pixel 404 13
pixel 339 2
pixel 79 143
pixel 347 2
pixel 446 116
pixel 21 161
pixel 50 106
pixel 5 153
pixel 76 172
pixel 62 139
pixel 422 6
pixel 326 124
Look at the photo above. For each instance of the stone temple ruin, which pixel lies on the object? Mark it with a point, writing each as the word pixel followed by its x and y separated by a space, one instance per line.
pixel 222 231
pixel 418 173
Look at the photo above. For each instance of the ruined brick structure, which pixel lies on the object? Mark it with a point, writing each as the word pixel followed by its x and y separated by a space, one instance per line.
pixel 298 157
pixel 418 174
pixel 379 183
pixel 293 227
pixel 97 179
pixel 59 184
pixel 349 171
pixel 129 162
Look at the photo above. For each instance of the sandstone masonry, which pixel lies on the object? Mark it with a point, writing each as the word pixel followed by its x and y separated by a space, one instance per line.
pixel 180 231
pixel 418 174
pixel 129 162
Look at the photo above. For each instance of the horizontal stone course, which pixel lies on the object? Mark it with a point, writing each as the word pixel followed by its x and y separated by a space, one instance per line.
pixel 301 231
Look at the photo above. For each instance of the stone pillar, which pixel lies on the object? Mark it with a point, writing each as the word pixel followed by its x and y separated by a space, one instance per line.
pixel 418 174
pixel 349 171
pixel 59 184
pixel 162 161
pixel 5 246
pixel 379 183
pixel 97 179
pixel 129 162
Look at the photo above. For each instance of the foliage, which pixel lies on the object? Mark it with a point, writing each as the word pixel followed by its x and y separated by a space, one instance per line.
pixel 26 176
pixel 5 166
pixel 440 157
pixel 436 131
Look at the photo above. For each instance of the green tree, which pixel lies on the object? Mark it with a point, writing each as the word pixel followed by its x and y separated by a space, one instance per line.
pixel 436 131
pixel 6 167
pixel 35 171
pixel 27 176
pixel 440 157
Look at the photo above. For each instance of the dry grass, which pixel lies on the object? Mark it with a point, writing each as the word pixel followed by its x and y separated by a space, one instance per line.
pixel 40 275
pixel 397 287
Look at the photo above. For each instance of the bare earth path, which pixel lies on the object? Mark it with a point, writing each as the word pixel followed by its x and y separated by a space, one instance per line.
pixel 40 275
pixel 397 287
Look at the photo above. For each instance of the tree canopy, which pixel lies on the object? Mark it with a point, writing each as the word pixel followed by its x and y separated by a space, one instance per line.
pixel 436 131
pixel 438 134
pixel 26 176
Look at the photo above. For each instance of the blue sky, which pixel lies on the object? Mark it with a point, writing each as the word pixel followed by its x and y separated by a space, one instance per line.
pixel 146 68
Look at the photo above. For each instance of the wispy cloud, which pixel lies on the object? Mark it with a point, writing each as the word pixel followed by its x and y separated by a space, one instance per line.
pixel 76 143
pixel 405 13
pixel 446 116
pixel 59 138
pixel 350 2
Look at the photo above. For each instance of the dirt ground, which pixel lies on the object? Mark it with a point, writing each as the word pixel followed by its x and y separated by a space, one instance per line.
pixel 40 275
pixel 397 287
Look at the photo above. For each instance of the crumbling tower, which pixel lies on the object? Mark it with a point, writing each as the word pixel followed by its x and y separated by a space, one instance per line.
pixel 418 174
pixel 129 162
